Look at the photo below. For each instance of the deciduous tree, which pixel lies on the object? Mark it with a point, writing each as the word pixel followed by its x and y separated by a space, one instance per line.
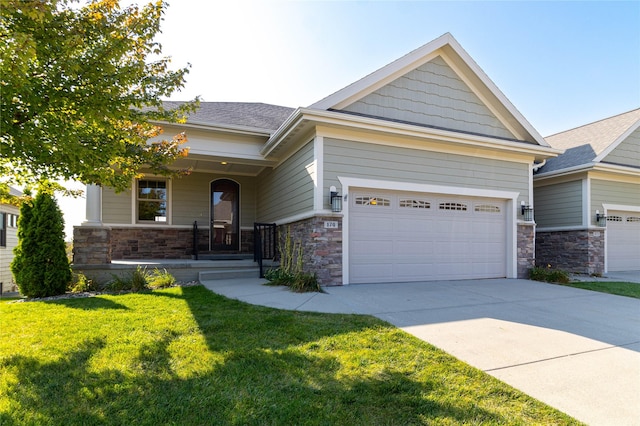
pixel 81 87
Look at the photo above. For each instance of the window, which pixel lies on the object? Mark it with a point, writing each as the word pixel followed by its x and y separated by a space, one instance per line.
pixel 453 206
pixel 487 208
pixel 372 201
pixel 614 218
pixel 414 204
pixel 633 219
pixel 152 201
pixel 3 229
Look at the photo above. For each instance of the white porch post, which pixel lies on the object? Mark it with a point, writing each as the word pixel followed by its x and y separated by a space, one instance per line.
pixel 94 206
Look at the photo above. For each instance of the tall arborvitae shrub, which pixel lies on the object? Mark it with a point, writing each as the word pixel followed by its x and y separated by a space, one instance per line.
pixel 43 266
pixel 24 242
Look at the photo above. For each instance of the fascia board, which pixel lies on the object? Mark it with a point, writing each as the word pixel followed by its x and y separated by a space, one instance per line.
pixel 362 86
pixel 221 127
pixel 617 142
pixel 377 125
pixel 587 168
pixel 495 91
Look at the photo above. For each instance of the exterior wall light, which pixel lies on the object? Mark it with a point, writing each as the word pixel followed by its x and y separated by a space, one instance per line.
pixel 526 211
pixel 601 220
pixel 336 200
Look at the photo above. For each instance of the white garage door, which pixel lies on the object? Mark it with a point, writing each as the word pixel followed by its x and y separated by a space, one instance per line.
pixel 623 241
pixel 400 237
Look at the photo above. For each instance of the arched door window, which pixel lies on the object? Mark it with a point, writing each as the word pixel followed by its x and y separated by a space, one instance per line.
pixel 225 223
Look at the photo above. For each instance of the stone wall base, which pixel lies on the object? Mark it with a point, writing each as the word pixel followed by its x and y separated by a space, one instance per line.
pixel 101 245
pixel 579 251
pixel 526 248
pixel 322 247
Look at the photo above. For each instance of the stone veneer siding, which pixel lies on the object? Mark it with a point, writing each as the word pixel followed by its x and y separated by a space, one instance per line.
pixel 322 247
pixel 91 245
pixel 579 251
pixel 526 248
pixel 101 245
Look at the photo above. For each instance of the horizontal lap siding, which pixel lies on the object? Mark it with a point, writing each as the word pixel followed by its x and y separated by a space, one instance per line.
pixel 609 192
pixel 434 95
pixel 559 205
pixel 287 190
pixel 369 161
pixel 116 208
pixel 191 198
pixel 628 152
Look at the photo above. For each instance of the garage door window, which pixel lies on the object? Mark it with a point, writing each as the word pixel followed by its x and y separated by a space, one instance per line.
pixel 486 208
pixel 415 204
pixel 633 219
pixel 373 201
pixel 453 206
pixel 614 218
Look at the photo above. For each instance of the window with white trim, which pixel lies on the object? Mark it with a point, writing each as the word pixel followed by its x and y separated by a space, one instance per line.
pixel 151 200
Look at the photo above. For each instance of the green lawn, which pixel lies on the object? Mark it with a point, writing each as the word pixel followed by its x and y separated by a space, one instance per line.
pixel 186 356
pixel 611 287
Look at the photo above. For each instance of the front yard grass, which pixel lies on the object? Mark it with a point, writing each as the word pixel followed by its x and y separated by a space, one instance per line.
pixel 187 356
pixel 611 287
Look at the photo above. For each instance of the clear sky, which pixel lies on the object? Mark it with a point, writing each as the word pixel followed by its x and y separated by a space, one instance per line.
pixel 562 64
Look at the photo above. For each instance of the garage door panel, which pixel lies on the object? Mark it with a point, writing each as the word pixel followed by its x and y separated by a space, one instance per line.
pixel 623 241
pixel 419 237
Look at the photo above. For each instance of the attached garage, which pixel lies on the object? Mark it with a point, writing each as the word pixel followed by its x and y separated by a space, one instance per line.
pixel 404 236
pixel 623 241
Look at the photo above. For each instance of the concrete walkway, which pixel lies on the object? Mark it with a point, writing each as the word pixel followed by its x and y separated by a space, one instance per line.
pixel 576 350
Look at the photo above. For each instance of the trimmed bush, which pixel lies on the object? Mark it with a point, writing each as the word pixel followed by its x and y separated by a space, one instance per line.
pixel 41 267
pixel 549 275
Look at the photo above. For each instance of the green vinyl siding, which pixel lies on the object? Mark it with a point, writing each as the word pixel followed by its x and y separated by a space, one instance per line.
pixel 287 190
pixel 380 162
pixel 433 95
pixel 558 205
pixel 191 197
pixel 116 208
pixel 610 192
pixel 628 152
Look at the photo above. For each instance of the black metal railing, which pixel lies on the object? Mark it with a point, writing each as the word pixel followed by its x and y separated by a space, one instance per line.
pixel 264 243
pixel 195 239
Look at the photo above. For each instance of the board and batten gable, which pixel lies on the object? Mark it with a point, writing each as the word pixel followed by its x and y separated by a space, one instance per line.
pixel 559 205
pixel 373 161
pixel 627 153
pixel 432 95
pixel 288 189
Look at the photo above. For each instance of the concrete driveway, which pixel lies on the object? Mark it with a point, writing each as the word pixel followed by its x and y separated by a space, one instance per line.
pixel 576 350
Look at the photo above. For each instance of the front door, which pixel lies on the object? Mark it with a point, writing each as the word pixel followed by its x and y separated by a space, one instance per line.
pixel 225 224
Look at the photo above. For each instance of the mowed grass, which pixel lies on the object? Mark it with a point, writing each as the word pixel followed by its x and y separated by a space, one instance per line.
pixel 611 287
pixel 186 356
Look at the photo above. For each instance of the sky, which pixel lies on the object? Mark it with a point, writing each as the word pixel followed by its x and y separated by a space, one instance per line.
pixel 561 64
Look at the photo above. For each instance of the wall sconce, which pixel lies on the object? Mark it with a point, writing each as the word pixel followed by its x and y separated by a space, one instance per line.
pixel 336 200
pixel 601 220
pixel 526 211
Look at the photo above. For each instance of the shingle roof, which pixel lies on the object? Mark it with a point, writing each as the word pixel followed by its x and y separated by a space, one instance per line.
pixel 583 144
pixel 243 114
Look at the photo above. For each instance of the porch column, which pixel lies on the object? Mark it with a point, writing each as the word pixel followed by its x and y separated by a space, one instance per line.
pixel 94 206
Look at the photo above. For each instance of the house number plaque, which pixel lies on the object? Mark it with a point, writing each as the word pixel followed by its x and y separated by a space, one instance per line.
pixel 331 224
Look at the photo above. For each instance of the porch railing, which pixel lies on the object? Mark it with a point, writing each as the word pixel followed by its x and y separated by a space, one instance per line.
pixel 195 239
pixel 264 243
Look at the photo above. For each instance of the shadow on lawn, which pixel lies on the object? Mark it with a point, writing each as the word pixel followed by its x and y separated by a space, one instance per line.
pixel 257 383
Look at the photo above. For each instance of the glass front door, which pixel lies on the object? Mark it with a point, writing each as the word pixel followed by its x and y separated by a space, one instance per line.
pixel 225 224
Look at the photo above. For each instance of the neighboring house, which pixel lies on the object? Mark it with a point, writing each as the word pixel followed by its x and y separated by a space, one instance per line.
pixel 429 164
pixel 587 200
pixel 8 240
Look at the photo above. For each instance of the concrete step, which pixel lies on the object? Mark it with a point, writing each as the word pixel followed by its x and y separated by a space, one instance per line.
pixel 228 274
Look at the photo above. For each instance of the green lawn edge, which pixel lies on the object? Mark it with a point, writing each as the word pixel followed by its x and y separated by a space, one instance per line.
pixel 187 356
pixel 618 288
